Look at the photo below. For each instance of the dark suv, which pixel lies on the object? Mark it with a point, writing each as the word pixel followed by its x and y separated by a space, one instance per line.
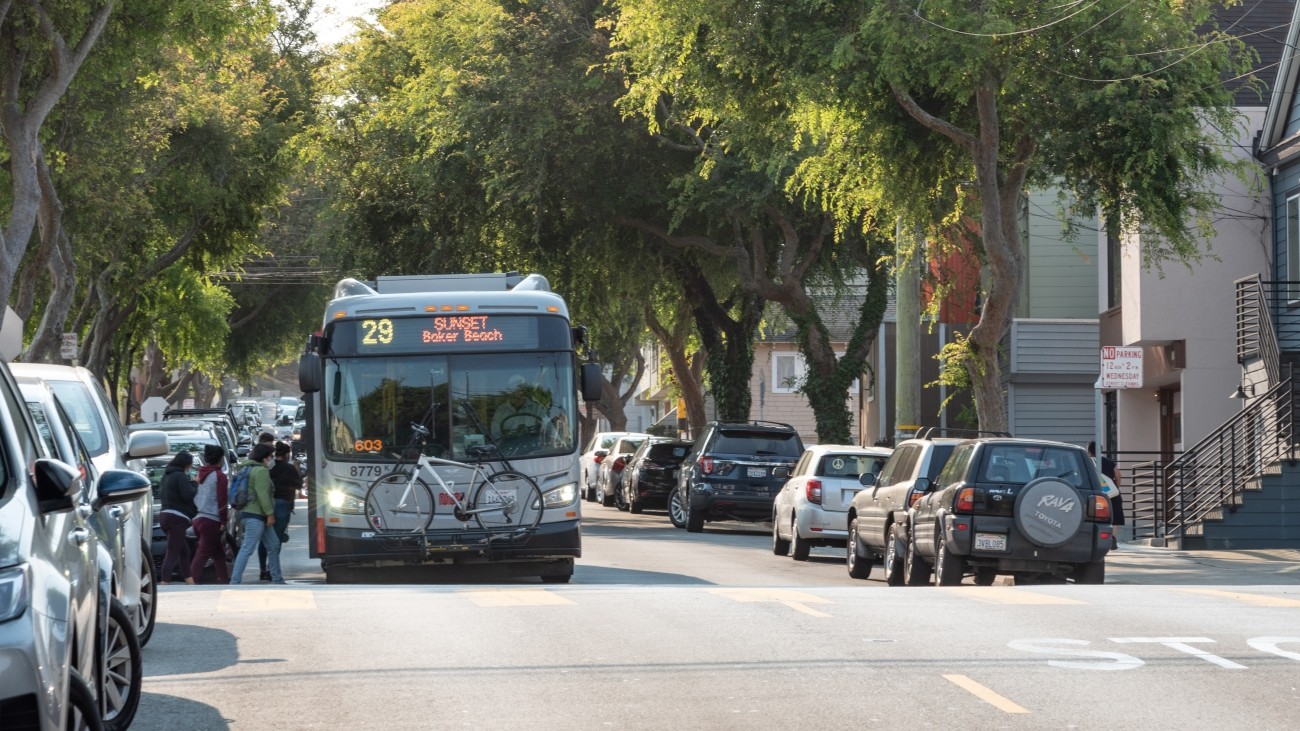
pixel 1032 509
pixel 734 471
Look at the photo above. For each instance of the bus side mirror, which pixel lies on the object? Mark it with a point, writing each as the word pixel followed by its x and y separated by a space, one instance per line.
pixel 309 372
pixel 593 381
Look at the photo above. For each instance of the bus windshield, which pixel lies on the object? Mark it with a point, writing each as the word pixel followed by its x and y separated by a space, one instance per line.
pixel 523 404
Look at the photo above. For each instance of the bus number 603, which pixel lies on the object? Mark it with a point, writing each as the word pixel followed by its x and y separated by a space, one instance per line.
pixel 368 445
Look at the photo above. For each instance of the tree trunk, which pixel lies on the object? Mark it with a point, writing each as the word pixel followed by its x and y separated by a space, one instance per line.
pixel 686 369
pixel 62 265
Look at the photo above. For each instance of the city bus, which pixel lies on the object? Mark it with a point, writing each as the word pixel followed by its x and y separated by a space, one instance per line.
pixel 480 369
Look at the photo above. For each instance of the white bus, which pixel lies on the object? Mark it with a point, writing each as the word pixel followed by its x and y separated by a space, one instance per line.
pixel 476 369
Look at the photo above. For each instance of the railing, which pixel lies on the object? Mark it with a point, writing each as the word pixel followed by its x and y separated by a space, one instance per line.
pixel 1258 304
pixel 1141 480
pixel 1212 475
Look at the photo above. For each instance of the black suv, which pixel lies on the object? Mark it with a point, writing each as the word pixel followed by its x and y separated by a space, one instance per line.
pixel 734 471
pixel 1028 508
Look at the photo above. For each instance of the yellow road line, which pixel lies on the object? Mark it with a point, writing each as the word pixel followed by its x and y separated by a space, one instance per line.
pixel 1008 595
pixel 258 599
pixel 986 695
pixel 1260 600
pixel 515 598
pixel 796 600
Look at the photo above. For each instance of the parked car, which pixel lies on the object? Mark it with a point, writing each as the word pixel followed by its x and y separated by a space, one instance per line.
pixel 119 676
pixel 56 582
pixel 1031 509
pixel 592 456
pixel 877 517
pixel 733 472
pixel 609 478
pixel 650 474
pixel 811 509
pixel 97 422
pixel 222 420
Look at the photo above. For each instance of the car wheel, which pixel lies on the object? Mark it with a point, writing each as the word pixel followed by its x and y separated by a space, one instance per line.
pixel 780 546
pixel 83 714
pixel 948 566
pixel 147 611
pixel 620 499
pixel 1093 572
pixel 859 566
pixel 676 510
pixel 123 674
pixel 895 553
pixel 799 547
pixel 634 506
pixel 694 520
pixel 556 579
pixel 605 500
pixel 985 577
pixel 916 572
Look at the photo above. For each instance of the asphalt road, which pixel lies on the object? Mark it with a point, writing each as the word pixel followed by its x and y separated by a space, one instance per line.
pixel 661 628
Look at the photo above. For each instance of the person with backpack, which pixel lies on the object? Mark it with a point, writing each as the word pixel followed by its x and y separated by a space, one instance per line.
pixel 210 523
pixel 176 493
pixel 285 483
pixel 252 488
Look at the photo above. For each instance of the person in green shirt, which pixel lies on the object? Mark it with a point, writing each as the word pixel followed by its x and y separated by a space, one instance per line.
pixel 258 515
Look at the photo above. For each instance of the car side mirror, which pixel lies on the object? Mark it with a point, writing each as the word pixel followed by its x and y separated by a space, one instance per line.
pixel 120 486
pixel 57 485
pixel 867 479
pixel 147 443
pixel 922 484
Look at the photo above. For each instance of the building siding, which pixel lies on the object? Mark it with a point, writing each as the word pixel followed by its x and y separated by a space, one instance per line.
pixel 1048 411
pixel 1060 272
pixel 1055 346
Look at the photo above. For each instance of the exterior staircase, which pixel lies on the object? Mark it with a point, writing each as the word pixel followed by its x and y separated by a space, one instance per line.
pixel 1239 488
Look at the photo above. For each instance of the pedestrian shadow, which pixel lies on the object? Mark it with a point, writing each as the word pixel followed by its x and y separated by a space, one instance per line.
pixel 160 712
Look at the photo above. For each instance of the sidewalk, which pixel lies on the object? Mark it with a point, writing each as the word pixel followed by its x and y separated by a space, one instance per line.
pixel 1136 563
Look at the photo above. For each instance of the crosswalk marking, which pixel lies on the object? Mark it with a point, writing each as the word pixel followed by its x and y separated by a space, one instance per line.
pixel 255 599
pixel 796 600
pixel 1256 599
pixel 985 694
pixel 514 598
pixel 1008 595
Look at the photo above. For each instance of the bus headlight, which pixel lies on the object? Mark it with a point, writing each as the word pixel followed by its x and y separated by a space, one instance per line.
pixel 561 496
pixel 342 501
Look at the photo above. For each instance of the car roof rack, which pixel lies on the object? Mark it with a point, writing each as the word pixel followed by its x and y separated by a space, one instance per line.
pixel 931 432
pixel 739 422
pixel 181 413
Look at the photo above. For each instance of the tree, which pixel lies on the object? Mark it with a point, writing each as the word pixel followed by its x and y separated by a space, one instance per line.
pixel 1121 103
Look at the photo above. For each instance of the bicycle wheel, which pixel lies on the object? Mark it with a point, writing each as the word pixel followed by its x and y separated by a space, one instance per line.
pixel 397 504
pixel 507 501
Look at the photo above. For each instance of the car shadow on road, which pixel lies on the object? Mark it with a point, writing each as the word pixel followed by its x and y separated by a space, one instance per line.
pixel 590 575
pixel 160 712
pixel 171 651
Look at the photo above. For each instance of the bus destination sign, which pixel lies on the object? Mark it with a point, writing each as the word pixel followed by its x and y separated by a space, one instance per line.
pixel 446 333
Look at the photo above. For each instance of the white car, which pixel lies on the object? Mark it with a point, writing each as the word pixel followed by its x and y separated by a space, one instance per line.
pixel 609 475
pixel 812 506
pixel 591 458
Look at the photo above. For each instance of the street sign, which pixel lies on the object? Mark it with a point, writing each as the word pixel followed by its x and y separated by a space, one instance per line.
pixel 187 403
pixel 11 335
pixel 1120 367
pixel 152 409
pixel 68 346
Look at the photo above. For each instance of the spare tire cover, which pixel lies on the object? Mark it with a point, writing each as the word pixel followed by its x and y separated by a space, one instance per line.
pixel 1049 511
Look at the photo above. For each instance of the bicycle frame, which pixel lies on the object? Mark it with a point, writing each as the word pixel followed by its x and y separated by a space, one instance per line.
pixel 461 512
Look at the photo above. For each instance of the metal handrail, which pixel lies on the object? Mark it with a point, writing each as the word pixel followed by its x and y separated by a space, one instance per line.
pixel 1257 307
pixel 1212 475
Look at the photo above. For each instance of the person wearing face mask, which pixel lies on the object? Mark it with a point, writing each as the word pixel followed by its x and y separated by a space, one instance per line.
pixel 258 516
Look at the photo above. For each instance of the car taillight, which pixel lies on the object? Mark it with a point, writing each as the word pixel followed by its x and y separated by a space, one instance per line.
pixel 706 464
pixel 813 490
pixel 598 459
pixel 618 463
pixel 1101 508
pixel 965 500
pixel 913 496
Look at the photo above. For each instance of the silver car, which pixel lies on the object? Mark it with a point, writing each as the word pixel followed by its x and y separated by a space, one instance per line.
pixel 55 578
pixel 101 431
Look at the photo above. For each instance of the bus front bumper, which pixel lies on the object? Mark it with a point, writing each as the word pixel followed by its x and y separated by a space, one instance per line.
pixel 355 547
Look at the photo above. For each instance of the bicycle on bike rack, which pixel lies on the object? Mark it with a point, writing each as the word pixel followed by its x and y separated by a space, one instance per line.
pixel 505 503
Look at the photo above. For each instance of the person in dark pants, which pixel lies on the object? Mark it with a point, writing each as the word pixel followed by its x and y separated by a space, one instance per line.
pixel 1106 466
pixel 285 483
pixel 213 503
pixel 176 493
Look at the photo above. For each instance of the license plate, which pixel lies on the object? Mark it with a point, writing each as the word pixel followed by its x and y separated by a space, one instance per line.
pixel 756 472
pixel 990 541
pixel 496 497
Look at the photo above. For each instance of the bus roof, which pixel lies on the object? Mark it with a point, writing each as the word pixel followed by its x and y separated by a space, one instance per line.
pixel 417 295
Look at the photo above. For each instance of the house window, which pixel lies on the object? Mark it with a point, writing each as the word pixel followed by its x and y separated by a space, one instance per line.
pixel 787 372
pixel 789 369
pixel 1293 246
